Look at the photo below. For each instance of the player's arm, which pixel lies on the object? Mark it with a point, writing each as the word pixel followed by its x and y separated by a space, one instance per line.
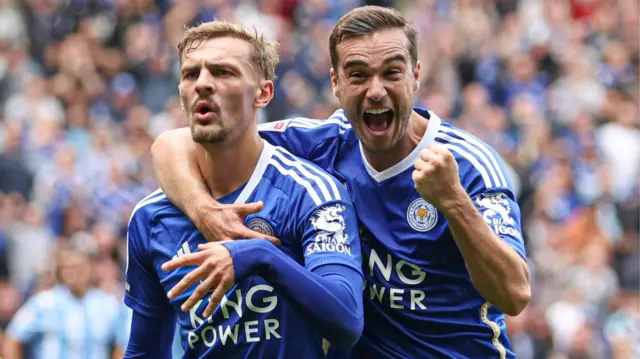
pixel 153 317
pixel 330 294
pixel 24 328
pixel 328 288
pixel 175 163
pixel 494 258
pixel 151 337
pixel 12 348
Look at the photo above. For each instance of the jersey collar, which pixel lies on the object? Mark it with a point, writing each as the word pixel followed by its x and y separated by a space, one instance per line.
pixel 427 139
pixel 263 162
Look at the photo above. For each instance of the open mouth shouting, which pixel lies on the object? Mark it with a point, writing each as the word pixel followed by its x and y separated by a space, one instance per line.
pixel 204 111
pixel 378 120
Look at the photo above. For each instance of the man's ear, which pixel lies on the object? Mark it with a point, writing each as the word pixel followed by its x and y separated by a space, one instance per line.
pixel 416 76
pixel 334 83
pixel 264 94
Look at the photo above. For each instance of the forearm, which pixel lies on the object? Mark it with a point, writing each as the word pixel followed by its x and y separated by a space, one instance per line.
pixel 12 348
pixel 150 337
pixel 498 272
pixel 176 167
pixel 331 295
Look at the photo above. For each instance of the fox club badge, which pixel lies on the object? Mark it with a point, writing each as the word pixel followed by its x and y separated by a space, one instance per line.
pixel 422 215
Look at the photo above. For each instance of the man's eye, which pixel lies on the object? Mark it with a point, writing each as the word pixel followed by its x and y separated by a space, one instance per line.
pixel 191 75
pixel 223 73
pixel 356 75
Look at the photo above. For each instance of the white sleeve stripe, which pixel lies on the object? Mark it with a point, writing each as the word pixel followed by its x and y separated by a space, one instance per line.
pixel 483 148
pixel 336 193
pixel 475 151
pixel 289 172
pixel 309 123
pixel 474 162
pixel 305 173
pixel 144 203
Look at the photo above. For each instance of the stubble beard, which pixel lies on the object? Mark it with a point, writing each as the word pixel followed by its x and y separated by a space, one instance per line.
pixel 207 136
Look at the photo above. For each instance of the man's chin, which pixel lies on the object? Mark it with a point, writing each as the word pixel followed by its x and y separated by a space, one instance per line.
pixel 203 136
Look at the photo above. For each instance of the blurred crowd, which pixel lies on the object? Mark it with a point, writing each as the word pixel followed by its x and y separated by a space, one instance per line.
pixel 86 86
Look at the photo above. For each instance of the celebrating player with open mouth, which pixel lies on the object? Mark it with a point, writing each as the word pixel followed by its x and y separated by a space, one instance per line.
pixel 279 303
pixel 443 252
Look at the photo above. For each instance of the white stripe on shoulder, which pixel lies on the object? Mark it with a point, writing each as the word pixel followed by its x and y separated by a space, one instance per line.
pixel 478 154
pixel 483 148
pixel 296 177
pixel 156 196
pixel 305 173
pixel 284 154
pixel 462 152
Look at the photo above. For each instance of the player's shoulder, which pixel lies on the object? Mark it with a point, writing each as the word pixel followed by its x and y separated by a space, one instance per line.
pixel 302 179
pixel 481 167
pixel 151 205
pixel 335 126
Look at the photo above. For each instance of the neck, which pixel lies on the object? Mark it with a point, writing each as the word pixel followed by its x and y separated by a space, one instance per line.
pixel 227 166
pixel 412 135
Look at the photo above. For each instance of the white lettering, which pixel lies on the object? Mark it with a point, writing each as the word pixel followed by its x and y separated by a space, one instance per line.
pixel 396 295
pixel 374 260
pixel 196 321
pixel 416 298
pixel 374 293
pixel 237 305
pixel 271 325
pixel 203 334
pixel 272 301
pixel 192 338
pixel 328 247
pixel 226 333
pixel 416 271
pixel 249 331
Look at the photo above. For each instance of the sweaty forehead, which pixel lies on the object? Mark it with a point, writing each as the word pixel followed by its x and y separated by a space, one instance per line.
pixel 226 48
pixel 374 48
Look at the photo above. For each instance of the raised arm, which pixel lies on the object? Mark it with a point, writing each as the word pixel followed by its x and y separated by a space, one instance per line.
pixel 176 167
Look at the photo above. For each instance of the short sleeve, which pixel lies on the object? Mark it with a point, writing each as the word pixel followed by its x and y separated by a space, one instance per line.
pixel 314 140
pixel 500 210
pixel 143 293
pixel 331 236
pixel 27 322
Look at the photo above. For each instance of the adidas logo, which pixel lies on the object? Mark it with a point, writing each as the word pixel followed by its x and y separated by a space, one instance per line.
pixel 184 250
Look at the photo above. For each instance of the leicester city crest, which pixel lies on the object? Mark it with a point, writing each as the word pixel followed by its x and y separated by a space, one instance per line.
pixel 260 225
pixel 422 215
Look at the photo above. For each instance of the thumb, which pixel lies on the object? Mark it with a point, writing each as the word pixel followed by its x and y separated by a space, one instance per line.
pixel 249 208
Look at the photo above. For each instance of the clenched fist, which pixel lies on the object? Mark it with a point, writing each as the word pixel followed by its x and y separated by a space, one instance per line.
pixel 436 176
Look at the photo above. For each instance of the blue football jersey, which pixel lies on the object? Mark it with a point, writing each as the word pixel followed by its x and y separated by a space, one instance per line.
pixel 308 210
pixel 419 299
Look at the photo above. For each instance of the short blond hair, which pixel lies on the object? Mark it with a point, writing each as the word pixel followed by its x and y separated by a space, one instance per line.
pixel 264 54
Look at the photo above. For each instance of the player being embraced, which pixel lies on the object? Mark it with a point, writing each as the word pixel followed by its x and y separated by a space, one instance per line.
pixel 440 226
pixel 266 302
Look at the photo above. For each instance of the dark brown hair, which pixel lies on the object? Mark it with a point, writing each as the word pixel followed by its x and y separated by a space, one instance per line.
pixel 367 20
pixel 264 54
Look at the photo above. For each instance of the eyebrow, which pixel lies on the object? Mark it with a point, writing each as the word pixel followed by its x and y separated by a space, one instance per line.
pixel 359 63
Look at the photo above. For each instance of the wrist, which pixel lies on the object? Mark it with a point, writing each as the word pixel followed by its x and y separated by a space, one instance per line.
pixel 199 206
pixel 249 256
pixel 455 203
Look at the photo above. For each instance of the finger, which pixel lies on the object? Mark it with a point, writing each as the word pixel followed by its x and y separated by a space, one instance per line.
pixel 249 208
pixel 201 290
pixel 250 234
pixel 438 148
pixel 186 281
pixel 426 155
pixel 419 164
pixel 214 300
pixel 191 259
